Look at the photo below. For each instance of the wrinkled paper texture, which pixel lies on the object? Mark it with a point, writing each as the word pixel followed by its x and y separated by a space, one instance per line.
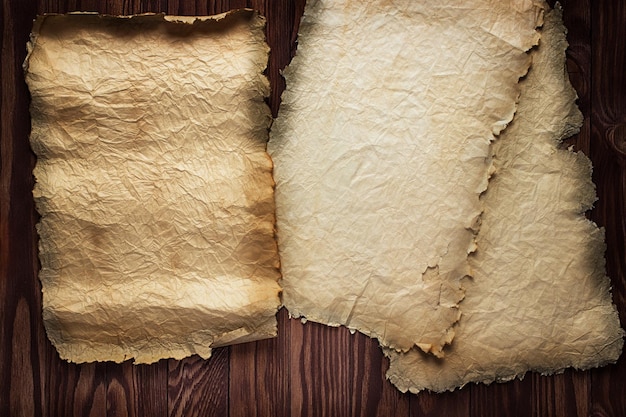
pixel 539 299
pixel 381 149
pixel 153 184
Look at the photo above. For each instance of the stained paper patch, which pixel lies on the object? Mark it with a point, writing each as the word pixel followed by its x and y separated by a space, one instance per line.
pixel 154 188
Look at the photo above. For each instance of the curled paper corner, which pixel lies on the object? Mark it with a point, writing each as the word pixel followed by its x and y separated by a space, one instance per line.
pixel 438 350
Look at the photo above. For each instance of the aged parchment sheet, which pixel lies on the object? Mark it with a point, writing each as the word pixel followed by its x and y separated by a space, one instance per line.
pixel 153 184
pixel 539 299
pixel 381 151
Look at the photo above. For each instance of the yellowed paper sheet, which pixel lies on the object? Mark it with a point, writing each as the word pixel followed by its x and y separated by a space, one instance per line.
pixel 154 187
pixel 381 150
pixel 539 299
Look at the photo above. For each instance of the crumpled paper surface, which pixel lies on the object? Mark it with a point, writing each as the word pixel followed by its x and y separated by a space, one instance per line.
pixel 539 299
pixel 381 150
pixel 153 184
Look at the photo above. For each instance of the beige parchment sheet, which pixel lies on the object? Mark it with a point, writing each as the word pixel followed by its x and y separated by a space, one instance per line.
pixel 539 299
pixel 153 184
pixel 381 149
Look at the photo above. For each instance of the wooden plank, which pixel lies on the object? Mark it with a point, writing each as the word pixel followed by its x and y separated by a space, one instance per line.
pixel 608 153
pixel 137 390
pixel 152 384
pixel 198 387
pixel 392 402
pixel 120 394
pixel 75 390
pixel 512 399
pixel 448 404
pixel 336 373
pixel 22 396
pixel 91 6
pixel 259 375
pixel 23 385
pixel 564 395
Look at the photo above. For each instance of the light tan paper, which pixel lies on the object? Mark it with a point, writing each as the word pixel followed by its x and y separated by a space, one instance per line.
pixel 154 187
pixel 540 299
pixel 381 151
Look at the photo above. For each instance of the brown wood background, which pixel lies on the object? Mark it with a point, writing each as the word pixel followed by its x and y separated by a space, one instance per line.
pixel 309 369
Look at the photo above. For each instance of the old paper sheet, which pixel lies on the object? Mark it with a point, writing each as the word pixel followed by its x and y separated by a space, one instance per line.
pixel 539 299
pixel 154 187
pixel 381 151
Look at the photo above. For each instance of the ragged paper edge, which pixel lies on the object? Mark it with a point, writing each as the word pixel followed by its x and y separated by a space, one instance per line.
pixel 187 20
pixel 571 126
pixel 447 335
pixel 268 328
pixel 538 7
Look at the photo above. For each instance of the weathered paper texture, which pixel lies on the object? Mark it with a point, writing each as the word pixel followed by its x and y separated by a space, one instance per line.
pixel 381 151
pixel 153 184
pixel 539 299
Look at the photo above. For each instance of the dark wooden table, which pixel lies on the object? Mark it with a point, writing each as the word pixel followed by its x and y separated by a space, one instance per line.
pixel 309 369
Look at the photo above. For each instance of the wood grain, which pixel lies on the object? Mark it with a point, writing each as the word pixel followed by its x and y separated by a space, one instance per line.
pixel 453 404
pixel 197 387
pixel 74 390
pixel 336 373
pixel 608 154
pixel 137 390
pixel 259 382
pixel 309 370
pixel 564 395
pixel 513 399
